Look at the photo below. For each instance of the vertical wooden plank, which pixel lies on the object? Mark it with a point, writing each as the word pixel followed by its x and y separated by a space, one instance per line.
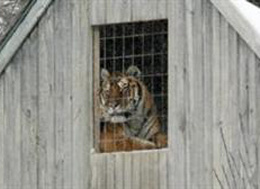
pixel 102 169
pixel 197 156
pixel 248 149
pixel 224 125
pixel 119 171
pixel 243 109
pixel 257 68
pixel 128 171
pixel 162 11
pixel 2 128
pixel 110 162
pixel 144 10
pixel 208 92
pixel 46 130
pixel 12 133
pixel 118 11
pixel 233 109
pixel 100 176
pixel 252 134
pixel 195 109
pixel 82 92
pixel 177 99
pixel 153 159
pixel 217 148
pixel 163 170
pixel 63 93
pixel 136 170
pixel 190 75
pixel 94 171
pixel 97 11
pixel 29 112
pixel 145 171
pixel 59 83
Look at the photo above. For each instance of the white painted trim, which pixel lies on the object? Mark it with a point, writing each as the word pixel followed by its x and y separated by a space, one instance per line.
pixel 22 32
pixel 245 18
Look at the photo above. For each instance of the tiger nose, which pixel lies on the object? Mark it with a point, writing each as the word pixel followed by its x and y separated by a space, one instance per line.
pixel 114 104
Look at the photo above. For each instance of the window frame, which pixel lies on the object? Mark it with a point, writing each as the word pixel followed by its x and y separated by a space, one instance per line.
pixel 96 86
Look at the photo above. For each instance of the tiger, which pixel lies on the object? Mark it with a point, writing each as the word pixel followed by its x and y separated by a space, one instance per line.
pixel 129 111
pixel 114 139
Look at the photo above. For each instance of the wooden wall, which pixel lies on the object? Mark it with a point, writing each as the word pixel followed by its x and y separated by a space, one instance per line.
pixel 46 103
pixel 215 101
pixel 46 97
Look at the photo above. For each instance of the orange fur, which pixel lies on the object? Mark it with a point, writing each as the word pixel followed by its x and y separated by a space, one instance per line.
pixel 115 138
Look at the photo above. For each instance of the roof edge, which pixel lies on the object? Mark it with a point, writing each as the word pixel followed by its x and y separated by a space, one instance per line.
pixel 244 17
pixel 22 31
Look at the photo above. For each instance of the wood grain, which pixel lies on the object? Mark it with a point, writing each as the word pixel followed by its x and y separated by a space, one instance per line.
pixel 122 13
pixel 103 12
pixel 63 93
pixel 22 32
pixel 2 128
pixel 46 103
pixel 12 129
pixel 177 60
pixel 46 130
pixel 243 16
pixel 82 93
pixel 208 91
pixel 29 112
pixel 257 68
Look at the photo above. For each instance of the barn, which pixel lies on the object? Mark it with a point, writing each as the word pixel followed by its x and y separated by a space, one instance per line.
pixel 201 60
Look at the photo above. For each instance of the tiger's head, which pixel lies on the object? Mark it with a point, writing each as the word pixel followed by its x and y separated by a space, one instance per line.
pixel 119 94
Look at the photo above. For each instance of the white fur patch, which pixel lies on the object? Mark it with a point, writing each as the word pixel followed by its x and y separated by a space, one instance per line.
pixel 118 119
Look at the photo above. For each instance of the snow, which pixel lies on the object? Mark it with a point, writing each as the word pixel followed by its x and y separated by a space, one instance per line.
pixel 250 12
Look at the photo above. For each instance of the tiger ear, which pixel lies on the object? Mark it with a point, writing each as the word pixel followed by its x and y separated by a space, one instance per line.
pixel 104 74
pixel 133 71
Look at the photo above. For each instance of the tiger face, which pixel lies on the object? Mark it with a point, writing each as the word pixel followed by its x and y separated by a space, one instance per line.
pixel 119 95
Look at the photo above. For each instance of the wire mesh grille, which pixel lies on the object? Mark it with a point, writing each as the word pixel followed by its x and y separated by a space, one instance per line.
pixel 144 45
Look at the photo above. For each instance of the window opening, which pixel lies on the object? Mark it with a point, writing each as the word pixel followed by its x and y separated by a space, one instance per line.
pixel 131 78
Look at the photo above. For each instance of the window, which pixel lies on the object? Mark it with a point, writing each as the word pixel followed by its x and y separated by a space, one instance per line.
pixel 130 70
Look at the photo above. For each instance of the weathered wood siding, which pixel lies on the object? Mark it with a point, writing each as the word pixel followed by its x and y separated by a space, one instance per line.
pixel 46 106
pixel 214 96
pixel 46 103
